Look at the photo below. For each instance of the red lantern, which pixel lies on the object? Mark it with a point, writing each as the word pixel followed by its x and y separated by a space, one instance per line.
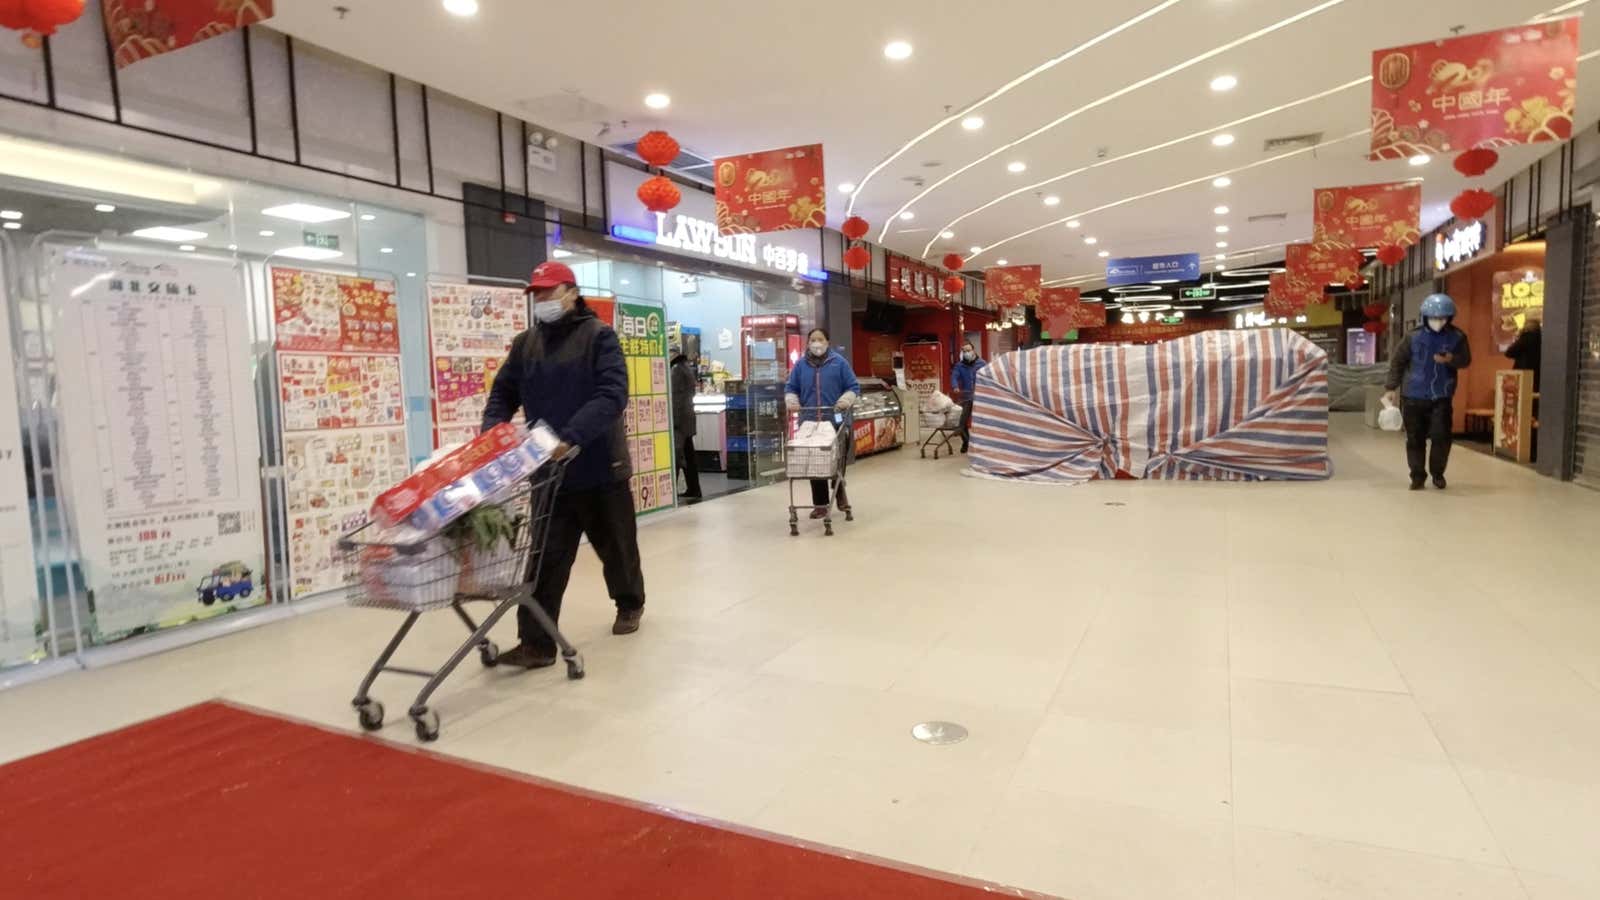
pixel 1476 161
pixel 657 148
pixel 1391 254
pixel 1374 310
pixel 45 16
pixel 855 228
pixel 954 262
pixel 955 284
pixel 1373 326
pixel 14 15
pixel 857 257
pixel 1355 283
pixel 1472 204
pixel 659 194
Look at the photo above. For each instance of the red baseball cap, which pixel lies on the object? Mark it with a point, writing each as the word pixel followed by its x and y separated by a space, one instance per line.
pixel 551 274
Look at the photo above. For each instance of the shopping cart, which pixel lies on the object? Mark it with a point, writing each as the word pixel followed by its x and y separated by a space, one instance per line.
pixel 446 572
pixel 805 463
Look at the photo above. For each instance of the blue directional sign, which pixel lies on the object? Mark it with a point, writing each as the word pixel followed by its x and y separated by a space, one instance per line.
pixel 1144 269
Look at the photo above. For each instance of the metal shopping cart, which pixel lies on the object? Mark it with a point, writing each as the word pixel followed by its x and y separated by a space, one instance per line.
pixel 805 462
pixel 448 571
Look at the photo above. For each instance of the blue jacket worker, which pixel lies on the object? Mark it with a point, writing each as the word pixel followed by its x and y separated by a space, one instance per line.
pixel 821 380
pixel 1423 374
pixel 568 371
pixel 964 384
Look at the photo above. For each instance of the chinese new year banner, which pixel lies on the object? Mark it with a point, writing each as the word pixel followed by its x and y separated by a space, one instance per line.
pixel 642 331
pixel 1089 315
pixel 1513 86
pixel 924 370
pixel 775 190
pixel 1369 215
pixel 1282 301
pixel 140 29
pixel 1013 285
pixel 1058 309
pixel 1312 267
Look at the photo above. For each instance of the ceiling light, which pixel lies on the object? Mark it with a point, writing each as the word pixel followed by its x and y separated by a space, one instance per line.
pixel 10 215
pixel 1127 318
pixel 1222 245
pixel 1222 229
pixel 975 249
pixel 1144 315
pixel 314 254
pixel 657 101
pixel 233 246
pixel 1221 256
pixel 847 188
pixel 1221 210
pixel 1052 200
pixel 13 226
pixel 897 50
pixel 1104 254
pixel 972 123
pixel 368 217
pixel 1073 223
pixel 907 216
pixel 625 282
pixel 105 207
pixel 266 232
pixel 1222 182
pixel 947 235
pixel 461 7
pixel 1000 262
pixel 385 249
pixel 1224 83
pixel 1421 159
pixel 1016 166
pixel 187 248
pixel 308 213
pixel 168 233
pixel 411 274
pixel 1221 140
pixel 559 253
pixel 1091 241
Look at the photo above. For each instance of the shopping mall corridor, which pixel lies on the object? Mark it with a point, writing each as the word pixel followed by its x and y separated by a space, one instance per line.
pixel 1321 690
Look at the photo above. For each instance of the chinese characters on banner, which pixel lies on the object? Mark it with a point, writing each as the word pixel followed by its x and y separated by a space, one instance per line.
pixel 470 330
pixel 19 599
pixel 924 370
pixel 1312 267
pixel 342 412
pixel 1369 215
pixel 1012 285
pixel 140 29
pixel 914 282
pixel 1513 414
pixel 775 190
pixel 1282 300
pixel 643 333
pixel 1089 315
pixel 158 423
pixel 1513 86
pixel 1518 295
pixel 1058 309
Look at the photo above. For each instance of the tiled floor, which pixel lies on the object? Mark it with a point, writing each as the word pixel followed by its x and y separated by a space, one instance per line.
pixel 1334 690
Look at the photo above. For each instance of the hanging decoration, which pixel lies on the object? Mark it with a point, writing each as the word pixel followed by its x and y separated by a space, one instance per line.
pixel 855 228
pixel 1374 310
pixel 1476 161
pixel 1472 204
pixel 140 29
pixel 955 284
pixel 657 148
pixel 659 194
pixel 953 262
pixel 1374 326
pixel 36 18
pixel 1368 215
pixel 1391 254
pixel 1355 282
pixel 774 190
pixel 857 257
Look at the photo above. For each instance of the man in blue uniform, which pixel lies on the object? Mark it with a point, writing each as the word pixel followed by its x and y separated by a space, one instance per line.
pixel 1423 374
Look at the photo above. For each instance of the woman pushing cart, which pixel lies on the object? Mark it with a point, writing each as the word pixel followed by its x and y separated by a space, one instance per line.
pixel 820 383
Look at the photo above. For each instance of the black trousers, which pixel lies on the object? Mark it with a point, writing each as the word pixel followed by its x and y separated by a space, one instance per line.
pixel 966 422
pixel 689 466
pixel 1428 420
pixel 819 486
pixel 605 514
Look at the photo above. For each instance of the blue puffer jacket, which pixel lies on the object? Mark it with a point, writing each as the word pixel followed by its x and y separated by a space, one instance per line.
pixel 822 382
pixel 964 377
pixel 1413 371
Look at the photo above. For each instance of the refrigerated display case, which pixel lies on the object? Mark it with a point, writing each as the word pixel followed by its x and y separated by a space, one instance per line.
pixel 879 418
pixel 755 417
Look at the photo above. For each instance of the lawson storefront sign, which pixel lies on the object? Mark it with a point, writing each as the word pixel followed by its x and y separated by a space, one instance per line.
pixel 1146 269
pixel 690 229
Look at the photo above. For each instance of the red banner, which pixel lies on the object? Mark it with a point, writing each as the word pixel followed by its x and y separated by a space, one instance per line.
pixel 924 369
pixel 140 29
pixel 1147 332
pixel 1312 267
pixel 1513 86
pixel 1013 285
pixel 913 282
pixel 1058 309
pixel 1089 315
pixel 1282 300
pixel 1369 215
pixel 775 190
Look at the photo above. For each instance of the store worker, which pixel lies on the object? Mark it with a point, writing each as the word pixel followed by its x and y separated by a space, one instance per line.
pixel 1527 351
pixel 821 381
pixel 964 383
pixel 568 371
pixel 1423 373
pixel 684 382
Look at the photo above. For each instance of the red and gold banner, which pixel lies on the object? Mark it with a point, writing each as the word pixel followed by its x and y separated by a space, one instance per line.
pixel 774 190
pixel 913 282
pixel 1147 332
pixel 1513 86
pixel 924 370
pixel 1518 296
pixel 1282 301
pixel 1058 309
pixel 1369 215
pixel 140 29
pixel 1013 285
pixel 1312 267
pixel 1089 315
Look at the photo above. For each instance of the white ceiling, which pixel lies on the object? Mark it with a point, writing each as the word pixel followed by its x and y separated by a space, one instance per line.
pixel 747 76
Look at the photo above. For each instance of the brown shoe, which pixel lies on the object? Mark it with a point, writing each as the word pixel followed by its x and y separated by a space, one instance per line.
pixel 523 656
pixel 627 621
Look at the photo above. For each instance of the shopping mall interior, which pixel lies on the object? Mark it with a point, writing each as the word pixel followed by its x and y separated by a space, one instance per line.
pixel 1216 384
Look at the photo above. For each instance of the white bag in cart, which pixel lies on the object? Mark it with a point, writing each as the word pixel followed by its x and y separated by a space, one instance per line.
pixel 1390 418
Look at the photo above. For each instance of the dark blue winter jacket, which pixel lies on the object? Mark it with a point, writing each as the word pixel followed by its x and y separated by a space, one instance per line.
pixel 964 377
pixel 822 382
pixel 1413 370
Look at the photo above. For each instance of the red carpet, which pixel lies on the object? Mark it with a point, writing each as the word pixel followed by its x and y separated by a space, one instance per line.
pixel 219 802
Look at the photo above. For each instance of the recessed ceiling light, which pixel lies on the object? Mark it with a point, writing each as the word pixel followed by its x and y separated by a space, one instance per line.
pixel 847 188
pixel 1221 256
pixel 461 7
pixel 559 253
pixel 309 213
pixel 657 101
pixel 13 226
pixel 1222 182
pixel 385 249
pixel 1001 262
pixel 10 215
pixel 1222 229
pixel 411 274
pixel 1222 245
pixel 907 216
pixel 1221 210
pixel 368 217
pixel 975 249
pixel 625 282
pixel 314 254
pixel 897 50
pixel 1073 223
pixel 1421 159
pixel 1221 140
pixel 1091 241
pixel 1052 200
pixel 947 235
pixel 233 246
pixel 187 248
pixel 1224 83
pixel 1104 253
pixel 1016 167
pixel 105 207
pixel 168 233
pixel 972 123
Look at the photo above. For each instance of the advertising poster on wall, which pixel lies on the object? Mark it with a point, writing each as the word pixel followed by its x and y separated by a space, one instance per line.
pixel 1368 215
pixel 19 600
pixel 470 330
pixel 924 370
pixel 343 412
pixel 642 330
pixel 158 432
pixel 774 190
pixel 1518 298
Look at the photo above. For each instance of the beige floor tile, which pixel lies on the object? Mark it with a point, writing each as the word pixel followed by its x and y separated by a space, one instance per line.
pixel 1333 718
pixel 1551 887
pixel 1156 692
pixel 982 679
pixel 1315 640
pixel 1276 865
pixel 1544 825
pixel 874 663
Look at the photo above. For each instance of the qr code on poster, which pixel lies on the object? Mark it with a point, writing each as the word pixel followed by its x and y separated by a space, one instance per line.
pixel 230 523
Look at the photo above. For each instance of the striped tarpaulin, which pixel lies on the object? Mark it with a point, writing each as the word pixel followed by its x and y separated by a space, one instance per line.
pixel 1221 405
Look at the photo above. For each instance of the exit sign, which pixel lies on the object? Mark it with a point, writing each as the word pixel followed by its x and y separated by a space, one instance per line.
pixel 1198 293
pixel 324 241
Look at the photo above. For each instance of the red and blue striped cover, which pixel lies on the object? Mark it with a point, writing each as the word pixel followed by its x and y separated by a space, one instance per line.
pixel 1219 405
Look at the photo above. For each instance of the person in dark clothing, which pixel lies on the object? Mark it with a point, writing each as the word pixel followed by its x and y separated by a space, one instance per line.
pixel 1423 373
pixel 823 379
pixel 1526 352
pixel 684 382
pixel 568 371
pixel 964 383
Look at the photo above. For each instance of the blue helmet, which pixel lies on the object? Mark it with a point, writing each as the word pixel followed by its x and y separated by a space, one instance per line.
pixel 1438 306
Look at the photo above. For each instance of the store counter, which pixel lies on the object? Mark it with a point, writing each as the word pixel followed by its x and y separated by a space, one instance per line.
pixel 879 418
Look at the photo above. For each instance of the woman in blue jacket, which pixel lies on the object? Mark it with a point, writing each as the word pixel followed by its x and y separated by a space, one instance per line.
pixel 822 379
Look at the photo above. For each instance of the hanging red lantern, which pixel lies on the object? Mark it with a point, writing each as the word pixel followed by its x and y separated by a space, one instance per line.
pixel 1355 283
pixel 1374 326
pixel 45 16
pixel 857 257
pixel 657 148
pixel 1374 310
pixel 1472 204
pixel 855 228
pixel 954 262
pixel 1391 254
pixel 955 284
pixel 659 194
pixel 14 15
pixel 1476 161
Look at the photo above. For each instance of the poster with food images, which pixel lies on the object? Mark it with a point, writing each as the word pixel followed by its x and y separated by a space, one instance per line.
pixel 332 479
pixel 327 313
pixel 340 391
pixel 470 330
pixel 641 329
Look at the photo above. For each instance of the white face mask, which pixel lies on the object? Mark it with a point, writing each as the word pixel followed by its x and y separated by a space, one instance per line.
pixel 548 310
pixel 968 355
pixel 1438 324
pixel 819 348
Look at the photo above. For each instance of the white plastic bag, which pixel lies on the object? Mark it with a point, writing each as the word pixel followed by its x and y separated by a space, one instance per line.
pixel 1390 417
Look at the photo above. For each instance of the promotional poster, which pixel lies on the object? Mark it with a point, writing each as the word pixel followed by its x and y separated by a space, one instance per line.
pixel 774 190
pixel 643 334
pixel 470 330
pixel 1369 215
pixel 19 598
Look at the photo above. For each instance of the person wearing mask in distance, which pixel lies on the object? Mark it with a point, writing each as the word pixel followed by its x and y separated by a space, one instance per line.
pixel 1422 378
pixel 823 379
pixel 684 384
pixel 963 382
pixel 568 371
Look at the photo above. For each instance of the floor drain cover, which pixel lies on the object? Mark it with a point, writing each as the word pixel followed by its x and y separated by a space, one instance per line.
pixel 939 733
